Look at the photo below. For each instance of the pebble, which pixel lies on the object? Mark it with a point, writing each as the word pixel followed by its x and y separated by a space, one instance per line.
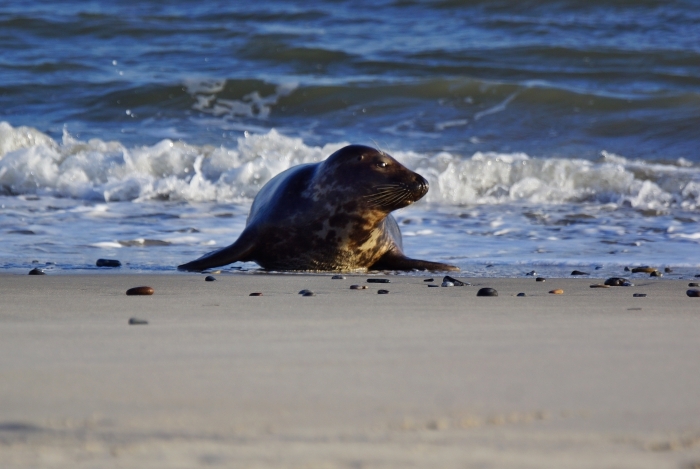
pixel 304 291
pixel 540 279
pixel 616 281
pixel 382 292
pixel 210 278
pixel 378 280
pixel 487 292
pixel 457 283
pixel 433 286
pixel 447 284
pixel 521 294
pixel 429 280
pixel 656 273
pixel 599 285
pixel 140 291
pixel 338 277
pixel 694 284
pixel 578 272
pixel 558 291
pixel 644 269
pixel 308 293
pixel 363 287
pixel 108 263
pixel 693 293
pixel 639 295
pixel 137 322
pixel 37 271
pixel 257 293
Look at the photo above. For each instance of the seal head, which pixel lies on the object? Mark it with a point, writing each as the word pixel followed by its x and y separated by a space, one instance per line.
pixel 329 216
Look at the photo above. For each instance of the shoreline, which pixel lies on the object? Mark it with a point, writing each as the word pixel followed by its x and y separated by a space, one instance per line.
pixel 419 377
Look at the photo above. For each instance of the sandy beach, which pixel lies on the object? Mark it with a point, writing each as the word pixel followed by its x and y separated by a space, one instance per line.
pixel 419 377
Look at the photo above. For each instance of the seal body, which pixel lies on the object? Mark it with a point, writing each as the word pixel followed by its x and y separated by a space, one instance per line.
pixel 329 216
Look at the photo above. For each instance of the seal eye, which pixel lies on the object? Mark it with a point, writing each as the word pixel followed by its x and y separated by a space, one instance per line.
pixel 382 164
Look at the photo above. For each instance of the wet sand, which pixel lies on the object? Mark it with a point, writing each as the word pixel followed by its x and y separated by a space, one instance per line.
pixel 420 377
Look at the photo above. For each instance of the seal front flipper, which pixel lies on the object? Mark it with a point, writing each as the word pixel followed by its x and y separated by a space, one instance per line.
pixel 241 250
pixel 394 260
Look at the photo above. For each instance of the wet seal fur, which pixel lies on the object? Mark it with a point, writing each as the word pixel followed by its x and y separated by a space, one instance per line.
pixel 329 216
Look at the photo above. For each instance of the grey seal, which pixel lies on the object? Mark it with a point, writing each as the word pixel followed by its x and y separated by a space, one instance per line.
pixel 334 215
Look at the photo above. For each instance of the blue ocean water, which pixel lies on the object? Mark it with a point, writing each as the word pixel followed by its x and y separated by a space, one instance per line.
pixel 553 134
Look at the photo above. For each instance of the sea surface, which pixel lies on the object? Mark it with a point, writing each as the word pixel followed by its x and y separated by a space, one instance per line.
pixel 554 134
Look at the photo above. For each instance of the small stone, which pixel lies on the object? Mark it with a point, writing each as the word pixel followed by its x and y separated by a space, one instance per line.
pixel 694 284
pixel 532 273
pixel 578 272
pixel 338 277
pixel 210 278
pixel 361 287
pixel 487 292
pixel 137 322
pixel 599 285
pixel 383 292
pixel 429 280
pixel 37 271
pixel 521 294
pixel 558 291
pixel 668 270
pixel 639 295
pixel 378 280
pixel 693 293
pixel 447 284
pixel 540 279
pixel 656 273
pixel 301 292
pixel 308 293
pixel 616 281
pixel 433 286
pixel 457 283
pixel 138 291
pixel 108 263
pixel 257 293
pixel 644 269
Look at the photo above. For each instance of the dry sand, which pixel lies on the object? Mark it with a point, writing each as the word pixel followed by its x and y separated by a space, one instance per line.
pixel 421 377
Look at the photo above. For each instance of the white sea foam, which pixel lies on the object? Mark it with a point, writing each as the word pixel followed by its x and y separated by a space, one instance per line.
pixel 33 163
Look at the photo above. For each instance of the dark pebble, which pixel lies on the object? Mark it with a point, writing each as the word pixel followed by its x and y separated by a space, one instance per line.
pixel 578 272
pixel 434 286
pixel 358 287
pixel 308 293
pixel 210 278
pixel 37 271
pixel 139 291
pixel 378 280
pixel 639 295
pixel 383 292
pixel 540 279
pixel 301 292
pixel 108 263
pixel 693 293
pixel 137 321
pixel 457 283
pixel 694 284
pixel 256 294
pixel 487 292
pixel 338 277
pixel 616 281
pixel 521 294
pixel 429 280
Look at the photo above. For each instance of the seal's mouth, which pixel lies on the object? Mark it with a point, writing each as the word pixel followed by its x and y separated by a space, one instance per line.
pixel 393 196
